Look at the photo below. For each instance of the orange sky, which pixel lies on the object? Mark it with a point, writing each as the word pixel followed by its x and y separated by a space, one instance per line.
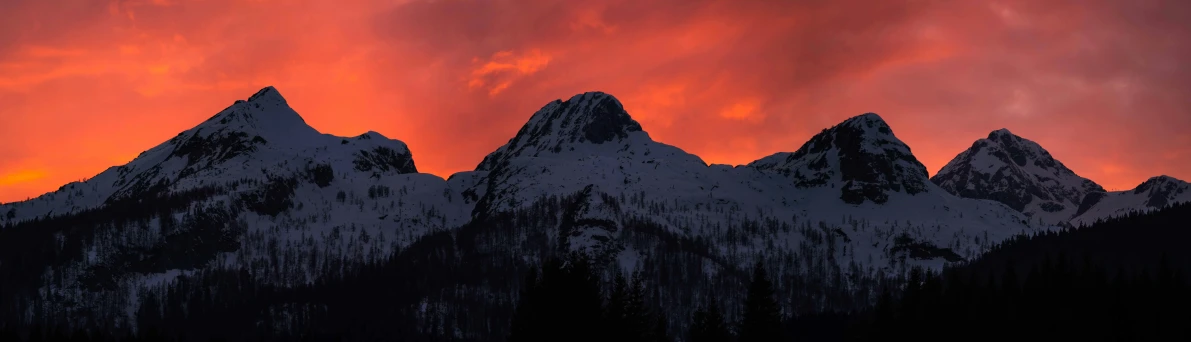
pixel 1103 84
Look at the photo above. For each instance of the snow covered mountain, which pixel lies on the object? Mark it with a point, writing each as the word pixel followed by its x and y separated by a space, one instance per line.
pixel 254 188
pixel 1021 174
pixel 857 169
pixel 1018 172
pixel 862 153
pixel 1155 193
pixel 255 140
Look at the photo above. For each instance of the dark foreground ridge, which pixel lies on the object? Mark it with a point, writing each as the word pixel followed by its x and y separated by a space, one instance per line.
pixel 276 232
pixel 1108 282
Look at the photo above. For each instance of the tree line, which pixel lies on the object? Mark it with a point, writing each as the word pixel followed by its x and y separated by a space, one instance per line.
pixel 1119 280
pixel 562 301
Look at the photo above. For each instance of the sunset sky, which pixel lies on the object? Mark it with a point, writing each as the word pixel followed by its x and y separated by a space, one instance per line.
pixel 1104 85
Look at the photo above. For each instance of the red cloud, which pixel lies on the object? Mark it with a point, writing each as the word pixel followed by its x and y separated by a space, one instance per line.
pixel 1101 83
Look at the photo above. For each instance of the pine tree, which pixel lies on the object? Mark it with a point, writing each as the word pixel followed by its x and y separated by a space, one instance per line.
pixel 637 317
pixel 36 334
pixel 614 313
pixel 526 319
pixel 884 315
pixel 762 321
pixel 659 329
pixel 80 335
pixel 8 333
pixel 149 317
pixel 579 317
pixel 708 326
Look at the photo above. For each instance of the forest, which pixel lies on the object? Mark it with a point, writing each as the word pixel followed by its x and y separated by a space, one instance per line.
pixel 1121 279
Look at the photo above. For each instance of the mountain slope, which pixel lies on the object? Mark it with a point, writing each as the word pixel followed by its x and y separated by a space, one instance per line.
pixel 850 206
pixel 589 140
pixel 861 154
pixel 1021 174
pixel 252 188
pixel 1155 193
pixel 255 189
pixel 1018 172
pixel 248 140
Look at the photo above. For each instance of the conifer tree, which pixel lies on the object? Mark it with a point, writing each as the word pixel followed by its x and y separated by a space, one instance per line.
pixel 637 317
pixel 762 321
pixel 564 304
pixel 615 309
pixel 36 334
pixel 527 317
pixel 582 307
pixel 8 333
pixel 884 315
pixel 659 329
pixel 708 326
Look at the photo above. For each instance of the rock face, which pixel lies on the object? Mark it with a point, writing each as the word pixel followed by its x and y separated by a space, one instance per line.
pixel 254 140
pixel 861 155
pixel 591 224
pixel 588 118
pixel 230 193
pixel 1019 173
pixel 568 145
pixel 1154 193
pixel 255 188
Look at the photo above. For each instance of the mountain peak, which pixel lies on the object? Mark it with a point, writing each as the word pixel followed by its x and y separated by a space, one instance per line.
pixel 1155 182
pixel 1163 178
pixel 1017 172
pixel 595 117
pixel 592 118
pixel 267 94
pixel 861 153
pixel 265 113
pixel 869 124
pixel 1000 133
pixel 866 118
pixel 369 135
pixel 1154 193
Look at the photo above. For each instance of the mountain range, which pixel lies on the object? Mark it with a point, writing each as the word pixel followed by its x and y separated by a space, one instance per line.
pixel 255 188
pixel 1018 172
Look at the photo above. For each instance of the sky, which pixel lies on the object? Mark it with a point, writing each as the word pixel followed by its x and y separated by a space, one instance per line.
pixel 1102 84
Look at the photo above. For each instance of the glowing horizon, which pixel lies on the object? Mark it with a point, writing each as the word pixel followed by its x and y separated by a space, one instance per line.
pixel 1100 84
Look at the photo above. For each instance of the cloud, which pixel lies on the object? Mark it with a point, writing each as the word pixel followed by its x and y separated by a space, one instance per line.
pixel 503 68
pixel 21 177
pixel 1101 83
pixel 742 110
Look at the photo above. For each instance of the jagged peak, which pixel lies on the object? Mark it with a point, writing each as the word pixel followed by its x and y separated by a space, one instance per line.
pixel 868 129
pixel 866 118
pixel 1157 181
pixel 595 116
pixel 268 93
pixel 870 124
pixel 592 95
pixel 1000 132
pixel 1004 137
pixel 265 113
pixel 589 118
pixel 1163 178
pixel 1017 172
pixel 1022 150
pixel 369 135
pixel 861 152
pixel 867 133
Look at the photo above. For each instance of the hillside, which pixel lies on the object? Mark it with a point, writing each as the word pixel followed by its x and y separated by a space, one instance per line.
pixel 254 198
